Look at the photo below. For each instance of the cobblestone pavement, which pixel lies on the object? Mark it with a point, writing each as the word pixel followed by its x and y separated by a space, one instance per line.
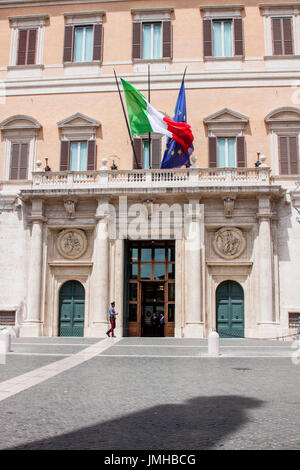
pixel 150 393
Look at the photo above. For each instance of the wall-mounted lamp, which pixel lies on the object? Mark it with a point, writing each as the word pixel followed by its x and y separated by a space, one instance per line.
pixel 258 163
pixel 47 167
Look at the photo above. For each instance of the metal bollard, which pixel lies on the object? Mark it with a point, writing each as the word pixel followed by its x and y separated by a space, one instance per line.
pixel 5 339
pixel 213 344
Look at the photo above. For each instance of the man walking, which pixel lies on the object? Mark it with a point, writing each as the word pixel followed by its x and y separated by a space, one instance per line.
pixel 112 319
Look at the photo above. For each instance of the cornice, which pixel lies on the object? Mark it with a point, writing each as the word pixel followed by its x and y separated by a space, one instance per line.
pixel 34 3
pixel 160 81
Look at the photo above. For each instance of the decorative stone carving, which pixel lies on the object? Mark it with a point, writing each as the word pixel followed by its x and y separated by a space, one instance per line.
pixel 70 205
pixel 228 206
pixel 229 242
pixel 72 243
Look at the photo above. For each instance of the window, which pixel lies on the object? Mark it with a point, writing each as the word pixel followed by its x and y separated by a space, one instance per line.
pixel 222 32
pixel 19 134
pixel 152 34
pixel 152 41
pixel 281 23
pixel 26 54
pixel 226 141
pixel 284 130
pixel 27 42
pixel 222 38
pixel 83 44
pixel 288 155
pixel 227 152
pixel 78 143
pixel 77 156
pixel 19 161
pixel 282 36
pixel 145 159
pixel 83 37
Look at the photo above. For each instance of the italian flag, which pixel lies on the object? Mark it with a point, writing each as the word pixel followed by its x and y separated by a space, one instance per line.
pixel 144 118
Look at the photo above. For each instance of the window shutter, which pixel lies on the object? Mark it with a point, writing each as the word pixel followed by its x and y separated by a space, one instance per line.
pixel 23 161
pixel 212 152
pixel 294 159
pixel 91 157
pixel 156 153
pixel 98 35
pixel 238 36
pixel 22 44
pixel 283 155
pixel 32 35
pixel 287 36
pixel 277 37
pixel 207 38
pixel 14 161
pixel 240 150
pixel 68 44
pixel 167 39
pixel 136 40
pixel 65 155
pixel 138 146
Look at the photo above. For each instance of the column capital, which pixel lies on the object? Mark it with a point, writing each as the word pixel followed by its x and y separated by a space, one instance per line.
pixel 37 218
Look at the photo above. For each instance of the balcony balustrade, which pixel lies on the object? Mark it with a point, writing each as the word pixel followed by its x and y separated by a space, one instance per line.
pixel 187 177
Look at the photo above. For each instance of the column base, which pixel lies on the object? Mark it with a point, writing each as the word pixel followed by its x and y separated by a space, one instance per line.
pixel 30 330
pixel 193 330
pixel 266 330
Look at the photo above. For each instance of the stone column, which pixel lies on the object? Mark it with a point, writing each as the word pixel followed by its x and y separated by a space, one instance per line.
pixel 193 319
pixel 265 262
pixel 32 324
pixel 119 284
pixel 100 273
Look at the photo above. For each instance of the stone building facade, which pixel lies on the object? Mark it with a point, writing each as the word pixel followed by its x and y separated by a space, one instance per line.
pixel 213 246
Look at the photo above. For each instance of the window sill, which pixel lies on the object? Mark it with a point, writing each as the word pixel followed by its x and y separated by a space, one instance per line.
pixel 224 59
pixel 82 64
pixel 281 57
pixel 25 71
pixel 82 68
pixel 151 61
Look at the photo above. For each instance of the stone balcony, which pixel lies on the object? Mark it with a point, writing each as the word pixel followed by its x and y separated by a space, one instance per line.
pixel 148 179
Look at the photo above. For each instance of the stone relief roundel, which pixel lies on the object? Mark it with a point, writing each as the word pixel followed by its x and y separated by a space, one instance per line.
pixel 72 243
pixel 229 243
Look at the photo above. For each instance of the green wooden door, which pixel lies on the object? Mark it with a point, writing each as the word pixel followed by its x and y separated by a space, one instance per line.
pixel 230 310
pixel 71 309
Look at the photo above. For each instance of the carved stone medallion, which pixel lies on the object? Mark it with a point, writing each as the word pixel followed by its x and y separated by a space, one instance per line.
pixel 229 243
pixel 72 243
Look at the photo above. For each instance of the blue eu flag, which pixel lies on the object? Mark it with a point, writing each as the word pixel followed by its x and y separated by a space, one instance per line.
pixel 173 155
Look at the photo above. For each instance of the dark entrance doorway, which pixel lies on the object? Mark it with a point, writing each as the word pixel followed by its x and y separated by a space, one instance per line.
pixel 230 310
pixel 153 301
pixel 149 286
pixel 71 309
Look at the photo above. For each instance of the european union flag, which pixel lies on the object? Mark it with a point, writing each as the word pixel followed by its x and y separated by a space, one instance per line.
pixel 173 155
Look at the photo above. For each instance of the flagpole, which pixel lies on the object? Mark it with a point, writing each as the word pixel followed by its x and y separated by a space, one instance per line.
pixel 126 120
pixel 184 75
pixel 149 134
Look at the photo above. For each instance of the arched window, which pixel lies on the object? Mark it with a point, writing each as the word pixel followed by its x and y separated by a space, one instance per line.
pixel 284 127
pixel 20 133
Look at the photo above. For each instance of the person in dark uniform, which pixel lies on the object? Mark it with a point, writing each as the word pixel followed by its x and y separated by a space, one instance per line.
pixel 154 323
pixel 162 324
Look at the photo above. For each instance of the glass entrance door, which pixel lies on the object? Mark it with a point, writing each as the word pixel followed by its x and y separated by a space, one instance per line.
pixel 150 287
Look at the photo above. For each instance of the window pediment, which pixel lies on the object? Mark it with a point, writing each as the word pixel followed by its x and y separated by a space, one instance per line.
pixel 152 14
pixel 285 114
pixel 18 122
pixel 78 120
pixel 226 123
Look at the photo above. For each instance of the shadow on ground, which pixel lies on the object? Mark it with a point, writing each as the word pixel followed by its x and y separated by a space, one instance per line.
pixel 198 423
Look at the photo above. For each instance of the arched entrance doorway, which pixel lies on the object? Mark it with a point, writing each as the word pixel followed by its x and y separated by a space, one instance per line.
pixel 230 310
pixel 71 309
